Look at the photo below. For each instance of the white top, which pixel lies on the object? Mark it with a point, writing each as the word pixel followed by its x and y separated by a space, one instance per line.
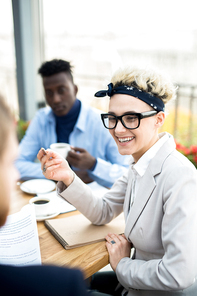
pixel 140 167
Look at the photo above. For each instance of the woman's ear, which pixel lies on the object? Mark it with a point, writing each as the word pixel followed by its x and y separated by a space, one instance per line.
pixel 160 118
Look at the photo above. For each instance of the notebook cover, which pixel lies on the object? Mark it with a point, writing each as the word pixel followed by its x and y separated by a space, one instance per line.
pixel 77 230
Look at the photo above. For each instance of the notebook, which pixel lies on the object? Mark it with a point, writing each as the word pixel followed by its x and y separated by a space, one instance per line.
pixel 76 231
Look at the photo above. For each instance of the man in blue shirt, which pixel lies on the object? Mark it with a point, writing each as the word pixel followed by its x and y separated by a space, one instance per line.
pixel 94 155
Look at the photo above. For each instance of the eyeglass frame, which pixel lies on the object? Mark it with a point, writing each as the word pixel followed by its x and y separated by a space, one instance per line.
pixel 139 115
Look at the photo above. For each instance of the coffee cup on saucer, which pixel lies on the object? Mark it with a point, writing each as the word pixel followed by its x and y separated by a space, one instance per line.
pixel 42 205
pixel 61 148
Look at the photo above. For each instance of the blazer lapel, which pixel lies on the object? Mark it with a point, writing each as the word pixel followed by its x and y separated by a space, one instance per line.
pixel 145 190
pixel 128 192
pixel 146 187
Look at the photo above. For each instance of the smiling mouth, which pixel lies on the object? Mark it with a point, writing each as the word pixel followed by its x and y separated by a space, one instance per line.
pixel 125 140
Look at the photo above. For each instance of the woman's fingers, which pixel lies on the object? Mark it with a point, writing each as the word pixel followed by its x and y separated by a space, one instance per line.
pixel 49 172
pixel 47 153
pixel 112 238
pixel 118 248
pixel 55 167
pixel 40 154
pixel 49 166
pixel 48 158
pixel 43 155
pixel 50 162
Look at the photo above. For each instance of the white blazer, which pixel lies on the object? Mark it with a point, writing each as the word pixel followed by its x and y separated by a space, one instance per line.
pixel 161 224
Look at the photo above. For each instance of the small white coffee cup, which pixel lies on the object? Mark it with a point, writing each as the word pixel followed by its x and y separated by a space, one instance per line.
pixel 61 148
pixel 42 205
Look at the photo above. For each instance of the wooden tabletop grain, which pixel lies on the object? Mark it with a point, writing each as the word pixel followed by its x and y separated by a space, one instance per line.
pixel 88 258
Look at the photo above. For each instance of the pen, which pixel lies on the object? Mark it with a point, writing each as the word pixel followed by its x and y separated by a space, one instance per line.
pixel 43 150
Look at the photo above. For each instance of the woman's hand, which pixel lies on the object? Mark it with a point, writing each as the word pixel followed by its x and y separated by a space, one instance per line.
pixel 55 167
pixel 118 248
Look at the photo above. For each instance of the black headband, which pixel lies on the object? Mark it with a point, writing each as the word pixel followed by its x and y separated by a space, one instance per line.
pixel 151 100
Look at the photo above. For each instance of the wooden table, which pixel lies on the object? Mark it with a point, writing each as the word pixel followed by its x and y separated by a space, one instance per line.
pixel 89 258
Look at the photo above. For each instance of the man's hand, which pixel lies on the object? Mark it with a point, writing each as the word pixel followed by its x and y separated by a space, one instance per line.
pixel 83 175
pixel 80 158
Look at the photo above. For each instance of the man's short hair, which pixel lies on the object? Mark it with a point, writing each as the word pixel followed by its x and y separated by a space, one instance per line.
pixel 55 66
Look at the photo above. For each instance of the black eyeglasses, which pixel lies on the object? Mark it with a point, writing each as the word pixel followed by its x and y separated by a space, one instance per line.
pixel 129 120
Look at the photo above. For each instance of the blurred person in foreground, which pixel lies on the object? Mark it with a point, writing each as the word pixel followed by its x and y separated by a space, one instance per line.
pixel 28 280
pixel 94 155
pixel 158 194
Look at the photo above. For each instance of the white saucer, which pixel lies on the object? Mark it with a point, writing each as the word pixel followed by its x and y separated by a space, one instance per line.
pixel 42 218
pixel 38 186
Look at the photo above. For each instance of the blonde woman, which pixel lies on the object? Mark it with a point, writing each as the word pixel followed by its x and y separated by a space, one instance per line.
pixel 28 280
pixel 158 194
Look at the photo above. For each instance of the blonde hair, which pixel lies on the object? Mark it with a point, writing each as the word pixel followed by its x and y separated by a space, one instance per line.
pixel 148 81
pixel 6 124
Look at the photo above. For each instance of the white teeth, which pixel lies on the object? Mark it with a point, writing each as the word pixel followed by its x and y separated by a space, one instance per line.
pixel 125 139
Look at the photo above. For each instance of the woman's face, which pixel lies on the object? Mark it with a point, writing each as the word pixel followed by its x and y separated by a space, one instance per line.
pixel 8 175
pixel 133 142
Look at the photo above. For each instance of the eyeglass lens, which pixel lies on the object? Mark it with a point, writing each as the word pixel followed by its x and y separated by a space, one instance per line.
pixel 129 121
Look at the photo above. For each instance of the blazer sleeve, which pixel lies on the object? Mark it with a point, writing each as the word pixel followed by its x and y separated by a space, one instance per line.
pixel 98 209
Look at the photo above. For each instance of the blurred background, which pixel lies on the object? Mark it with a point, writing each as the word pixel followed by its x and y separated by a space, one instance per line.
pixel 98 37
